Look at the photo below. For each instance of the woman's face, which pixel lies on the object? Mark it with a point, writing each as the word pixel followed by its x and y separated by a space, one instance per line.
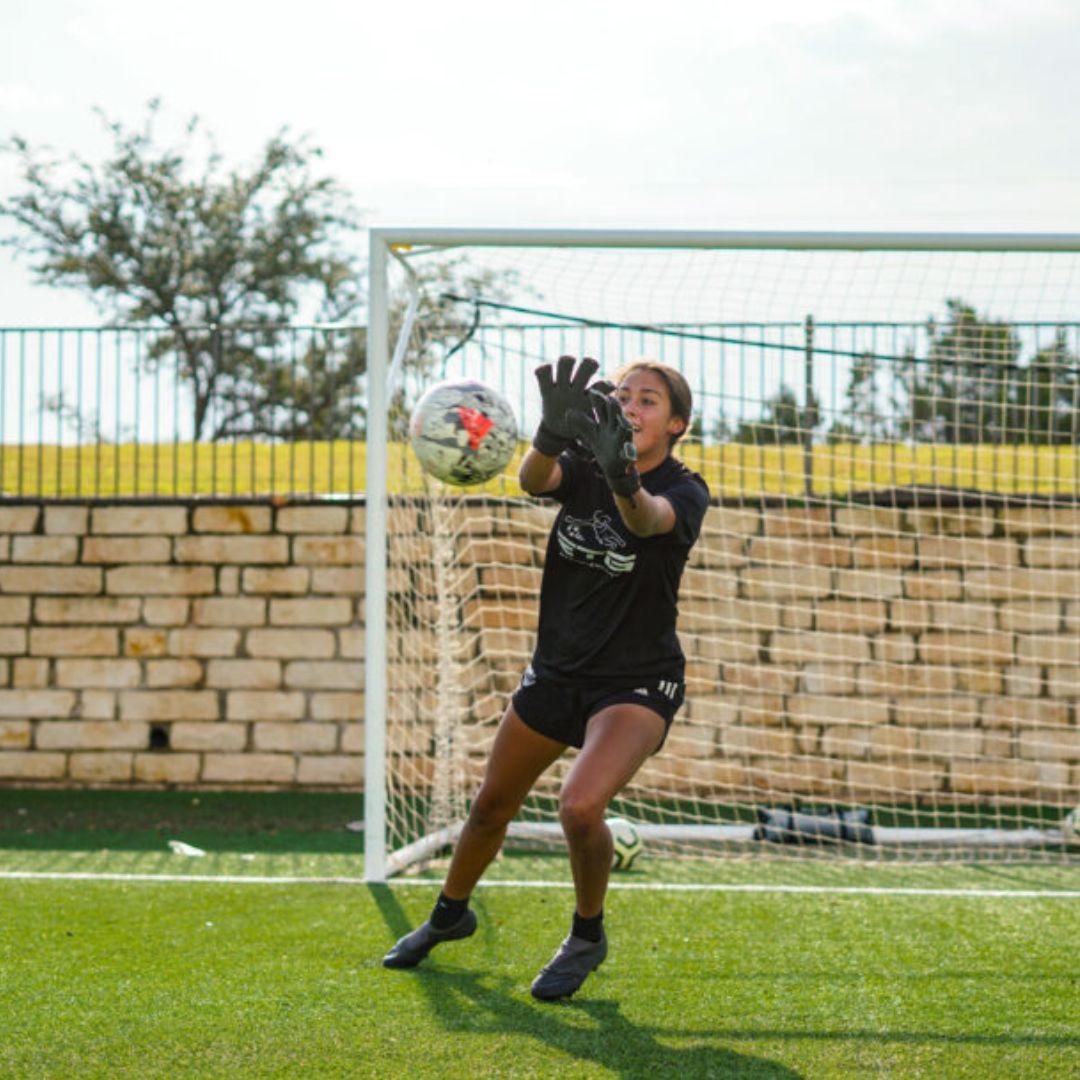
pixel 646 404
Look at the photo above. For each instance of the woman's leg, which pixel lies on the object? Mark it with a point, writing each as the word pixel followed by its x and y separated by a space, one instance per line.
pixel 517 759
pixel 618 740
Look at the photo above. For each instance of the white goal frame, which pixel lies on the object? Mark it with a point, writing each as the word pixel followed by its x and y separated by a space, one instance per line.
pixel 383 240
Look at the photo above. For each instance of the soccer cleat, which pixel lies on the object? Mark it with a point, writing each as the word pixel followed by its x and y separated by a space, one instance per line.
pixel 569 968
pixel 412 948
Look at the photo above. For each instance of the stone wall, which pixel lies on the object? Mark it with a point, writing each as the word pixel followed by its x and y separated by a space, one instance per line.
pixel 852 652
pixel 153 644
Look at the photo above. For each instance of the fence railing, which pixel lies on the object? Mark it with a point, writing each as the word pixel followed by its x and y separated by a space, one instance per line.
pixel 810 408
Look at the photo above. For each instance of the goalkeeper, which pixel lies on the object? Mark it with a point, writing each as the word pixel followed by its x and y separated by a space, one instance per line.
pixel 607 672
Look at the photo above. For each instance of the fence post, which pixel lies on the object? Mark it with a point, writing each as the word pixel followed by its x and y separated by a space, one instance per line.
pixel 809 408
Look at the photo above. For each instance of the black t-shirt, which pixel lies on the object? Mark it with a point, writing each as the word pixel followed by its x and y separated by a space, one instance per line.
pixel 609 599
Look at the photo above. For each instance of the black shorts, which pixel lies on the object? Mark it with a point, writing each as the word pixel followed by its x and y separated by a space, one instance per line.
pixel 561 711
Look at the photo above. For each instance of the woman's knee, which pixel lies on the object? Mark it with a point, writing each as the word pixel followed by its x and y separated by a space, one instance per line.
pixel 490 810
pixel 580 811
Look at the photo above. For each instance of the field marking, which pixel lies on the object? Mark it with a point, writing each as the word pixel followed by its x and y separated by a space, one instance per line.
pixel 829 890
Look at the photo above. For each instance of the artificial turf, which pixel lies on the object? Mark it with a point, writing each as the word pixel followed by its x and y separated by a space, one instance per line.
pixel 166 978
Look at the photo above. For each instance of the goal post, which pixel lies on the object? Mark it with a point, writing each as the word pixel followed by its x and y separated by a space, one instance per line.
pixel 882 615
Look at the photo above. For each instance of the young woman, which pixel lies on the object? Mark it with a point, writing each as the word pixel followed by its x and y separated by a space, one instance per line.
pixel 607 672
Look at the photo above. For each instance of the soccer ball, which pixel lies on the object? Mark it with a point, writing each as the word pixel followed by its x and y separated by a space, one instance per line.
pixel 1070 826
pixel 625 842
pixel 463 432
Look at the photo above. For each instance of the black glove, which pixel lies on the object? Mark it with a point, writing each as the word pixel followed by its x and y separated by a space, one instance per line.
pixel 608 434
pixel 561 393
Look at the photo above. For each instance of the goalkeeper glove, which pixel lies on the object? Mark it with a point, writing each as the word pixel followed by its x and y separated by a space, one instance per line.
pixel 608 434
pixel 560 393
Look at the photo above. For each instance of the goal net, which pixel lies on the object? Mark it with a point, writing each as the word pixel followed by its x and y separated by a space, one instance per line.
pixel 881 618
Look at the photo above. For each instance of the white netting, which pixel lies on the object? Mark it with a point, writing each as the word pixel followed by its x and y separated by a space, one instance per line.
pixel 880 617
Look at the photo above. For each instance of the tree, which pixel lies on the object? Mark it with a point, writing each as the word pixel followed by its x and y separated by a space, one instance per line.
pixel 783 420
pixel 220 259
pixel 962 392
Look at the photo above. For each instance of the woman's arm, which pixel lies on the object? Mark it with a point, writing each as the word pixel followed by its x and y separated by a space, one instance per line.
pixel 645 514
pixel 539 473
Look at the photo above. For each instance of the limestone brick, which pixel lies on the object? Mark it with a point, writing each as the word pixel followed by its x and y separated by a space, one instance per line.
pixel 292 644
pixel 949 743
pixel 79 641
pixel 887 741
pixel 324 675
pixel 1033 616
pixel 66 520
pixel 352 738
pixel 159 580
pixel 342 770
pixel 807 647
pixel 136 520
pixel 723 645
pixel 14 735
pixel 86 609
pixel 229 611
pixel 966 648
pixel 313 519
pixel 349 581
pixel 80 674
pixel 1039 521
pixel 765 678
pixel 127 549
pixel 248 768
pixel 858 616
pixel 12 641
pixel 187 735
pixel 829 679
pixel 19 519
pixel 901 679
pixel 993 777
pixel 1023 680
pixel 880 780
pixel 337 706
pixel 239 518
pixel 785 583
pixel 846 740
pixel 715 549
pixel 884 552
pixel 304 738
pixel 90 735
pixel 1048 649
pixel 869 520
pixel 163 674
pixel 955 711
pixel 311 611
pixel 793 551
pixel 203 642
pixel 351 644
pixel 168 705
pixel 329 550
pixel 1050 744
pixel 736 741
pixel 108 767
pixel 796 522
pixel 1020 583
pixel 952 522
pixel 243 674
pixel 821 709
pixel 1024 712
pixel 44 549
pixel 29 672
pixel 21 765
pixel 981 679
pixel 1063 682
pixel 264 705
pixel 51 580
pixel 143 641
pixel 14 610
pixel 928 585
pixel 276 579
pixel 966 553
pixel 869 584
pixel 158 768
pixel 232 549
pixel 165 611
pixel 96 704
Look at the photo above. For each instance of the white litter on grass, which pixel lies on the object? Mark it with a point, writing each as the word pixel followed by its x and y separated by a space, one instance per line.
pixel 355 826
pixel 178 847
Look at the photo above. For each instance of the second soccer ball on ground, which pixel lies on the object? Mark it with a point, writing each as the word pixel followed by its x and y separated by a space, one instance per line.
pixel 626 843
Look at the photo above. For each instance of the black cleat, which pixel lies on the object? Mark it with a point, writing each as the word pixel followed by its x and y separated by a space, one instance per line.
pixel 412 948
pixel 569 968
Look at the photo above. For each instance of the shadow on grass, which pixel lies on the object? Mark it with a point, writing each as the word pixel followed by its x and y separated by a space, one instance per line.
pixel 492 1005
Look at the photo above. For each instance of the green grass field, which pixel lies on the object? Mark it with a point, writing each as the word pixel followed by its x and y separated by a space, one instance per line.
pixel 319 468
pixel 154 974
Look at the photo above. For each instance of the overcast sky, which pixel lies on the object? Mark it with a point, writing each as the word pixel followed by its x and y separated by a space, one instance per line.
pixel 860 114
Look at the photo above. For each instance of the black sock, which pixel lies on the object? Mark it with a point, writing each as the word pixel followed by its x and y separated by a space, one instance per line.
pixel 588 929
pixel 447 912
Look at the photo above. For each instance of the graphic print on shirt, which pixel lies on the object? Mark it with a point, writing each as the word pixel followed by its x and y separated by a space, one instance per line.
pixel 593 542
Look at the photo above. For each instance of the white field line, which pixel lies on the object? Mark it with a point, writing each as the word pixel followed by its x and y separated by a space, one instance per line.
pixel 828 890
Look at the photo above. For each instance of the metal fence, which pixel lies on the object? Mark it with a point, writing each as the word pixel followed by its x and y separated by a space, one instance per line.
pixel 798 409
